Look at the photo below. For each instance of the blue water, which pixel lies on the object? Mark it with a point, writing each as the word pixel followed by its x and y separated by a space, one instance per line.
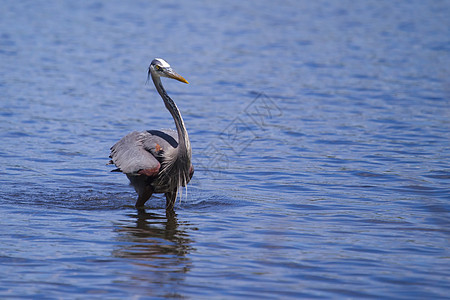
pixel 321 144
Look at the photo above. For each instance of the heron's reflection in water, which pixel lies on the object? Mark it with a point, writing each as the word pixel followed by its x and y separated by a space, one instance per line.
pixel 157 243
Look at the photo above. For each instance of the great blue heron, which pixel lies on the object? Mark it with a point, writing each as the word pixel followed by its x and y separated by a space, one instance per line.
pixel 157 161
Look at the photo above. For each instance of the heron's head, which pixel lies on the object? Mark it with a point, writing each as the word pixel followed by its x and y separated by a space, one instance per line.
pixel 160 68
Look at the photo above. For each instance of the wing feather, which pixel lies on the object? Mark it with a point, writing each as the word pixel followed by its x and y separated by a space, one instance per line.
pixel 142 152
pixel 131 156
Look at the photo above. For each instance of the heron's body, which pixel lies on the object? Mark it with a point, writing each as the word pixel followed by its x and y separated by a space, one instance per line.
pixel 156 161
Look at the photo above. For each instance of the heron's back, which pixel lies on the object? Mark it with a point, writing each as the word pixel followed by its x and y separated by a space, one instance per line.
pixel 139 151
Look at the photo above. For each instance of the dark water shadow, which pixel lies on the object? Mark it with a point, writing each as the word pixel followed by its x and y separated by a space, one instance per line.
pixel 157 245
pixel 77 198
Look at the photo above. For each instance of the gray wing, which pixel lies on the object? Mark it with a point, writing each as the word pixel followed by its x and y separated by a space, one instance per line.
pixel 166 138
pixel 141 152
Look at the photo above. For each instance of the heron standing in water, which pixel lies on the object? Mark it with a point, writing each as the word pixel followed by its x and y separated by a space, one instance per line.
pixel 157 161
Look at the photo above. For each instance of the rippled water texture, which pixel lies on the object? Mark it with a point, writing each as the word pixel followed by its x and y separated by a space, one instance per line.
pixel 320 135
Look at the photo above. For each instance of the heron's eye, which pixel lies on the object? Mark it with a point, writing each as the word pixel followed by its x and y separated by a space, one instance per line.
pixel 158 68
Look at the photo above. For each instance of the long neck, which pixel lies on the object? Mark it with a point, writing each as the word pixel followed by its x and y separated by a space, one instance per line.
pixel 184 145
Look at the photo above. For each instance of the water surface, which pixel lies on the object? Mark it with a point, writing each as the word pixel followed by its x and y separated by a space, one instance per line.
pixel 320 135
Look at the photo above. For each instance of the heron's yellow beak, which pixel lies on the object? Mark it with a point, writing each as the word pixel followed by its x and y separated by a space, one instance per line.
pixel 174 75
